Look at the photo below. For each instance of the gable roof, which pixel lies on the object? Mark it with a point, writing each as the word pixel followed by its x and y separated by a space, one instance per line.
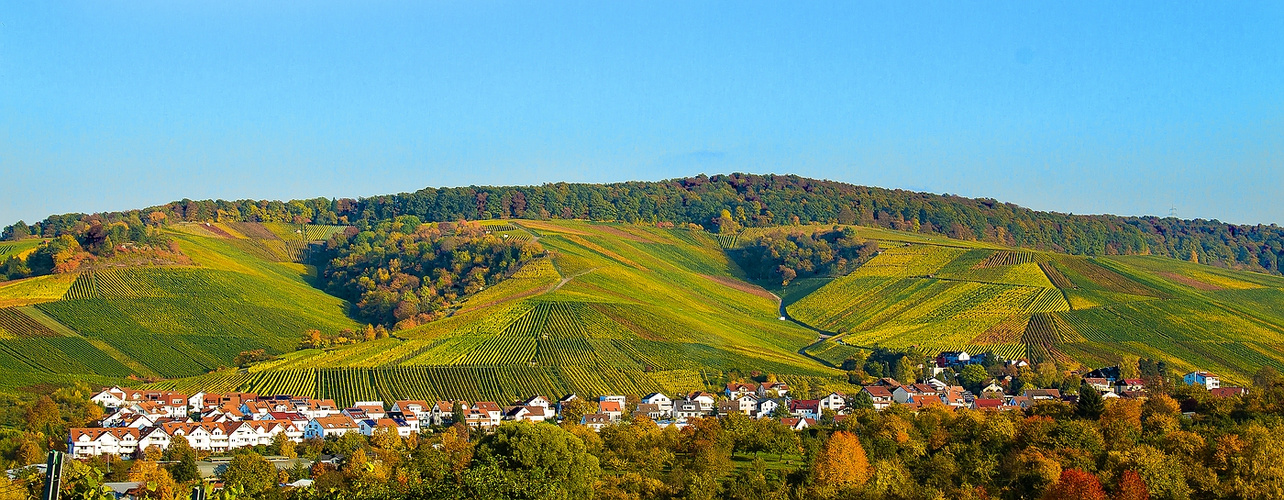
pixel 878 391
pixel 335 422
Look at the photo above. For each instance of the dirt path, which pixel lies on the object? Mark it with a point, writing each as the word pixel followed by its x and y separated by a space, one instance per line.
pixel 567 279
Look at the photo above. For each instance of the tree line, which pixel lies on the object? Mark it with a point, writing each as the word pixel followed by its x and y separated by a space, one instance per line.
pixel 750 201
pixel 1179 443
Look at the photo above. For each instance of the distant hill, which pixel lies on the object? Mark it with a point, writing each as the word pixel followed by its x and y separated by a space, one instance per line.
pixel 623 308
pixel 753 201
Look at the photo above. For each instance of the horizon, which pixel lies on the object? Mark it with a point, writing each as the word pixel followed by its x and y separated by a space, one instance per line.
pixel 1093 108
pixel 943 194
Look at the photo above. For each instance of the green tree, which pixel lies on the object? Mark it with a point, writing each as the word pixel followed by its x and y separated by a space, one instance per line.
pixel 1090 405
pixel 972 376
pixel 861 401
pixel 185 469
pixel 538 461
pixel 252 472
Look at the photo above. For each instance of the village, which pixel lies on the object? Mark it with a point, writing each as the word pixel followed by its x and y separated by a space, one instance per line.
pixel 136 420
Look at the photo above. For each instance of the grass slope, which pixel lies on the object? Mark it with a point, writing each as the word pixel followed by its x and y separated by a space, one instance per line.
pixel 615 309
pixel 1094 311
pixel 172 321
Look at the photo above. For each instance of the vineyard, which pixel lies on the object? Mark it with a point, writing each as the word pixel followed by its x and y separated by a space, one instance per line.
pixel 1006 258
pixel 17 248
pixel 621 308
pixel 16 324
pixel 502 383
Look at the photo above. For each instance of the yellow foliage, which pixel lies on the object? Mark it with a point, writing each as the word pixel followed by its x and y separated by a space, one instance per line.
pixel 842 462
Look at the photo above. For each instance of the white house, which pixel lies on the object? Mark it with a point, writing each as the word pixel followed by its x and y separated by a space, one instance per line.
pixel 372 409
pixel 833 402
pixel 612 409
pixel 614 397
pixel 423 410
pixel 688 409
pixel 766 389
pixel 907 393
pixel 881 396
pixel 110 398
pixel 737 389
pixel 89 442
pixel 401 427
pixel 662 402
pixel 704 399
pixel 596 421
pixel 767 406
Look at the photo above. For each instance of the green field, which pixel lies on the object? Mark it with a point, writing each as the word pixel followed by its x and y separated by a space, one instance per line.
pixel 618 308
pixel 165 321
pixel 1076 310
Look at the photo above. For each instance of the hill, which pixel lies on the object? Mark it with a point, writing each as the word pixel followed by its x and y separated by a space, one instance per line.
pixel 623 308
pixel 113 321
pixel 749 201
pixel 950 295
pixel 614 309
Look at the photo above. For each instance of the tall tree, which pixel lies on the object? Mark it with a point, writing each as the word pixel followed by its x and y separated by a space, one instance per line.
pixel 841 463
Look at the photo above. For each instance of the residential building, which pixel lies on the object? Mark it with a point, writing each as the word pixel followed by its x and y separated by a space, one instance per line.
pixel 596 421
pixel 89 442
pixel 805 408
pixel 1208 380
pixel 736 389
pixel 834 402
pixel 324 427
pixel 773 390
pixel 660 401
pixel 881 396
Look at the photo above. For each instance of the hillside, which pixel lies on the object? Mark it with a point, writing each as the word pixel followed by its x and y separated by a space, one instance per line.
pixel 615 308
pixel 948 295
pixel 750 201
pixel 103 324
pixel 622 308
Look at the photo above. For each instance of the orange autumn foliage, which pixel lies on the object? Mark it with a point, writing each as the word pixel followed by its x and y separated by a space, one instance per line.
pixel 1131 487
pixel 842 462
pixel 1076 485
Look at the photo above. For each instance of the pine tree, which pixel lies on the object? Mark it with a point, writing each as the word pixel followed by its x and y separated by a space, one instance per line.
pixel 1091 405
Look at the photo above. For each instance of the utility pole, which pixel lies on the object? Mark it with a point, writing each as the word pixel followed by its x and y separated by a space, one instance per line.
pixel 53 477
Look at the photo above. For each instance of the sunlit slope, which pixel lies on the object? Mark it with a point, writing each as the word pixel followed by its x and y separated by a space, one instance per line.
pixel 1094 311
pixel 164 321
pixel 616 309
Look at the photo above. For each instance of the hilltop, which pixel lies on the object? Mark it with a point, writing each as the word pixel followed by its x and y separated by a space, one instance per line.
pixel 599 307
pixel 749 201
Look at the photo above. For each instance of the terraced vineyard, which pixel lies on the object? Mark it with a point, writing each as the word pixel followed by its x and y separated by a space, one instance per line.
pixel 619 308
pixel 1073 310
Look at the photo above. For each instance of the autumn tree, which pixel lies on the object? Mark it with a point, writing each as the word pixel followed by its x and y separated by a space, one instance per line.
pixel 1075 484
pixel 1131 487
pixel 157 483
pixel 841 463
pixel 252 472
pixel 574 410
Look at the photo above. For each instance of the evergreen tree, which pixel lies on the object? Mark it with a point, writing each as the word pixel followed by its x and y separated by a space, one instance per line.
pixel 1090 405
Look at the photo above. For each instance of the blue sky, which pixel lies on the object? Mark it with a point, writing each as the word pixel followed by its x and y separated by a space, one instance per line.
pixel 1084 107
